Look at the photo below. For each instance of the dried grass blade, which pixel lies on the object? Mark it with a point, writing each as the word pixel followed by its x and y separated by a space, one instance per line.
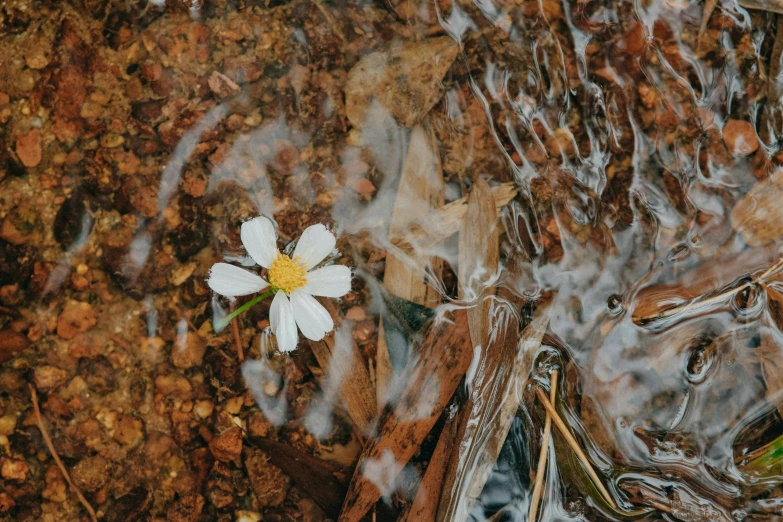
pixel 574 445
pixel 538 488
pixel 430 381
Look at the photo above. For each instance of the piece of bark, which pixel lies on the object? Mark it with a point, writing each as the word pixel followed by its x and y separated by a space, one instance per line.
pixel 479 258
pixel 430 380
pixel 315 477
pixel 442 223
pixel 405 81
pixel 758 217
pixel 487 417
pixel 424 507
pixel 338 354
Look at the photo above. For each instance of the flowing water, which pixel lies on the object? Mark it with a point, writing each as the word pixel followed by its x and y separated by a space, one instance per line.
pixel 638 143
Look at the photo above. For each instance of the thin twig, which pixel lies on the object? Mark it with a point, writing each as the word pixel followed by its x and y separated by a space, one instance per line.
pixel 47 439
pixel 538 489
pixel 238 340
pixel 695 304
pixel 574 446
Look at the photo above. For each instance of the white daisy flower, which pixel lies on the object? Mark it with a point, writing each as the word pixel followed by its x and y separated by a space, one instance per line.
pixel 292 280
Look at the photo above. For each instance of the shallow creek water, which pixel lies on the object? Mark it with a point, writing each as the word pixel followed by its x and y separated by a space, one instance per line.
pixel 518 187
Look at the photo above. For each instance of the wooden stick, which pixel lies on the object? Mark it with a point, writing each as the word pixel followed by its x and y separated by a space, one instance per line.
pixel 237 338
pixel 538 489
pixel 45 434
pixel 695 304
pixel 574 446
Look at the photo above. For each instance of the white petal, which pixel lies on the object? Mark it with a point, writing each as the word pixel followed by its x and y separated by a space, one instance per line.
pixel 315 244
pixel 329 281
pixel 281 319
pixel 231 281
pixel 311 317
pixel 260 240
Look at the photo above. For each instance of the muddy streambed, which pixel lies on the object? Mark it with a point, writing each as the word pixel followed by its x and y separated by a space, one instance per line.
pixel 416 260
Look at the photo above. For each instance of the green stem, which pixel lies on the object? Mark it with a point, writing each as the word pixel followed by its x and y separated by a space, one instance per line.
pixel 227 319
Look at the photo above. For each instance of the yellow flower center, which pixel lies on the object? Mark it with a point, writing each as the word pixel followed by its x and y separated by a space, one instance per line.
pixel 287 274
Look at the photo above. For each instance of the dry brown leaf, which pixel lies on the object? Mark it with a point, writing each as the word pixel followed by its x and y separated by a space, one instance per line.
pixel 405 81
pixel 419 194
pixel 338 355
pixel 430 381
pixel 487 417
pixel 758 217
pixel 479 258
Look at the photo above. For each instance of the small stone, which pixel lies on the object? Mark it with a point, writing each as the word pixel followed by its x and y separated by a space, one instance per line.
pixel 11 344
pixel 222 85
pixel 6 502
pixel 356 313
pixel 4 98
pixel 128 430
pixel 7 424
pixel 363 330
pixel 188 350
pixel 28 148
pixel 91 474
pixel 112 140
pixel 173 385
pixel 227 446
pixel 270 484
pixel 76 317
pixel 14 470
pixel 740 137
pixel 186 509
pixel 364 187
pixel 49 377
pixel 203 409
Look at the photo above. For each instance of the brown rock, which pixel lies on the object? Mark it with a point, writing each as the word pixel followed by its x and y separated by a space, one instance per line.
pixel 49 377
pixel 175 385
pixel 188 350
pixel 28 148
pixel 14 469
pixel 227 446
pixel 91 474
pixel 222 85
pixel 20 225
pixel 76 317
pixel 270 484
pixel 740 137
pixel 186 509
pixel 356 313
pixel 364 187
pixel 128 429
pixel 758 217
pixel 405 81
pixel 11 344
